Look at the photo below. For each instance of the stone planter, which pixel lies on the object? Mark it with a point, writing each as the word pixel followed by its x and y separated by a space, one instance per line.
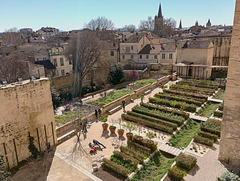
pixel 129 136
pixel 120 132
pixel 112 129
pixel 104 126
pixel 139 139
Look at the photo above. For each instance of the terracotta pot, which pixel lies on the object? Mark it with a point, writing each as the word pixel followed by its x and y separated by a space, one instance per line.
pixel 139 139
pixel 112 129
pixel 105 126
pixel 129 136
pixel 120 132
pixel 150 143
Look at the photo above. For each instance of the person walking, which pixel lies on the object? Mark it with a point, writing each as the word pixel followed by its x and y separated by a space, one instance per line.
pixel 123 106
pixel 96 113
pixel 84 129
pixel 99 144
pixel 99 112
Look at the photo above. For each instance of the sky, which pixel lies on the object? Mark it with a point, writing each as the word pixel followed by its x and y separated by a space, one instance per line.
pixel 74 14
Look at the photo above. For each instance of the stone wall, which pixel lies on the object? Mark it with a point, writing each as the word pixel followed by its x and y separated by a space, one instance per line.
pixel 26 109
pixel 230 135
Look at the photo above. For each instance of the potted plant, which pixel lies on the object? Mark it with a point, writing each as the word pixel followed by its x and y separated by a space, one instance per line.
pixel 120 132
pixel 112 129
pixel 150 135
pixel 105 126
pixel 139 139
pixel 130 126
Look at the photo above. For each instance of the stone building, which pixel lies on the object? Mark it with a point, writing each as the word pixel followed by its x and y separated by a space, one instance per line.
pixel 230 134
pixel 208 24
pixel 159 22
pixel 26 110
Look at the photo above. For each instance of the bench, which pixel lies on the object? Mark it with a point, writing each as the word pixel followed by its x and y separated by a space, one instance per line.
pixel 115 109
pixel 147 92
pixel 65 137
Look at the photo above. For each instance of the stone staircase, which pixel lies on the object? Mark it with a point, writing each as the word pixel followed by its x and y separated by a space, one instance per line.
pixel 169 149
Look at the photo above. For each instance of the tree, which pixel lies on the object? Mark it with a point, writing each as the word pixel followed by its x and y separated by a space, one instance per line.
pixel 116 74
pixel 101 23
pixel 132 76
pixel 147 25
pixel 129 28
pixel 169 25
pixel 56 99
pixel 84 50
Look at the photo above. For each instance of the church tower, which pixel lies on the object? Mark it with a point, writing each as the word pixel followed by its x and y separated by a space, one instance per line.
pixel 180 25
pixel 158 23
pixel 208 24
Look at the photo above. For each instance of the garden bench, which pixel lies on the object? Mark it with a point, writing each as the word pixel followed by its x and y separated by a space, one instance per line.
pixel 147 92
pixel 115 109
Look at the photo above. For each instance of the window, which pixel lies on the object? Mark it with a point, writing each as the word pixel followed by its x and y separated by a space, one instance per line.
pixel 163 56
pixel 55 62
pixel 132 56
pixel 61 62
pixel 114 44
pixel 155 56
pixel 62 72
pixel 131 47
pixel 170 56
pixel 147 56
pixel 123 57
pixel 122 47
pixel 140 56
pixel 57 74
pixel 70 62
pixel 112 53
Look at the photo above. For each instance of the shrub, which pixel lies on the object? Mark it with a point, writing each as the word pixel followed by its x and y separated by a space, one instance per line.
pixel 228 176
pixel 203 140
pixel 116 74
pixel 186 162
pixel 164 109
pixel 210 130
pixel 127 158
pixel 104 117
pixel 149 118
pixel 175 173
pixel 144 82
pixel 193 89
pixel 208 135
pixel 148 123
pixel 200 97
pixel 220 107
pixel 139 148
pixel 218 114
pixel 132 153
pixel 215 122
pixel 116 167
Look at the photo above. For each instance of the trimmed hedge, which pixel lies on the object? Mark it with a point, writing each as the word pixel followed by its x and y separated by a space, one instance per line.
pixel 175 173
pixel 152 119
pixel 210 130
pixel 127 158
pixel 218 114
pixel 148 123
pixel 193 89
pixel 116 167
pixel 181 99
pixel 199 97
pixel 197 84
pixel 132 153
pixel 186 162
pixel 139 148
pixel 220 107
pixel 215 121
pixel 208 135
pixel 176 121
pixel 203 140
pixel 164 109
pixel 179 105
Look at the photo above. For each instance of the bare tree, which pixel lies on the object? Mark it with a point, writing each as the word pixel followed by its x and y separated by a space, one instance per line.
pixel 12 30
pixel 169 25
pixel 101 23
pixel 147 24
pixel 130 28
pixel 84 50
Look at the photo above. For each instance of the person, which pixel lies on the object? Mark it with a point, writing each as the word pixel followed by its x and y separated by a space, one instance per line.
pixel 99 112
pixel 84 125
pixel 99 144
pixel 123 105
pixel 91 145
pixel 96 113
pixel 93 148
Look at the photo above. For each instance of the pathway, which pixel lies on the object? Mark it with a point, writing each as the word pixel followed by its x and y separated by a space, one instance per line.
pixel 198 118
pixel 169 149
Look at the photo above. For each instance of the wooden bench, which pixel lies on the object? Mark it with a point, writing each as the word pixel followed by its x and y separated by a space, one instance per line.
pixel 115 109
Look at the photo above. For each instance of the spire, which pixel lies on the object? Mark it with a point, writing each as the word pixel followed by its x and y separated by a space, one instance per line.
pixel 160 11
pixel 196 24
pixel 208 23
pixel 180 24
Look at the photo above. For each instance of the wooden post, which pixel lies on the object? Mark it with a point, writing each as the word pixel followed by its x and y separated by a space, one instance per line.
pixel 6 157
pixel 39 145
pixel 53 134
pixel 45 130
pixel 15 149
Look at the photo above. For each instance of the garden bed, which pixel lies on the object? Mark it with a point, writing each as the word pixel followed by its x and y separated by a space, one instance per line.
pixel 208 109
pixel 219 95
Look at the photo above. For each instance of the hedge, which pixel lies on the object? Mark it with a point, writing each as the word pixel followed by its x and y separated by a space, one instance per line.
pixel 218 114
pixel 148 123
pixel 199 97
pixel 116 167
pixel 176 121
pixel 198 85
pixel 175 173
pixel 203 140
pixel 180 99
pixel 138 147
pixel 193 89
pixel 127 158
pixel 152 119
pixel 215 121
pixel 186 162
pixel 212 131
pixel 164 109
pixel 132 153
pixel 208 135
pixel 179 105
pixel 220 107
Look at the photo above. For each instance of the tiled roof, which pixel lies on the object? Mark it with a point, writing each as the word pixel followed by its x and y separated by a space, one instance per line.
pixel 197 44
pixel 155 49
pixel 135 38
pixel 46 63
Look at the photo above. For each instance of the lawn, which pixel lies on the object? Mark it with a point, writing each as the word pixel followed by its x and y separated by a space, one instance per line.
pixel 114 95
pixel 208 110
pixel 220 95
pixel 144 82
pixel 69 116
pixel 185 135
pixel 155 168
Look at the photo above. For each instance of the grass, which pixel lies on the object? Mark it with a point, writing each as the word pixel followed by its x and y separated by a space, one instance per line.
pixel 144 82
pixel 155 168
pixel 69 116
pixel 220 95
pixel 112 96
pixel 208 110
pixel 185 135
